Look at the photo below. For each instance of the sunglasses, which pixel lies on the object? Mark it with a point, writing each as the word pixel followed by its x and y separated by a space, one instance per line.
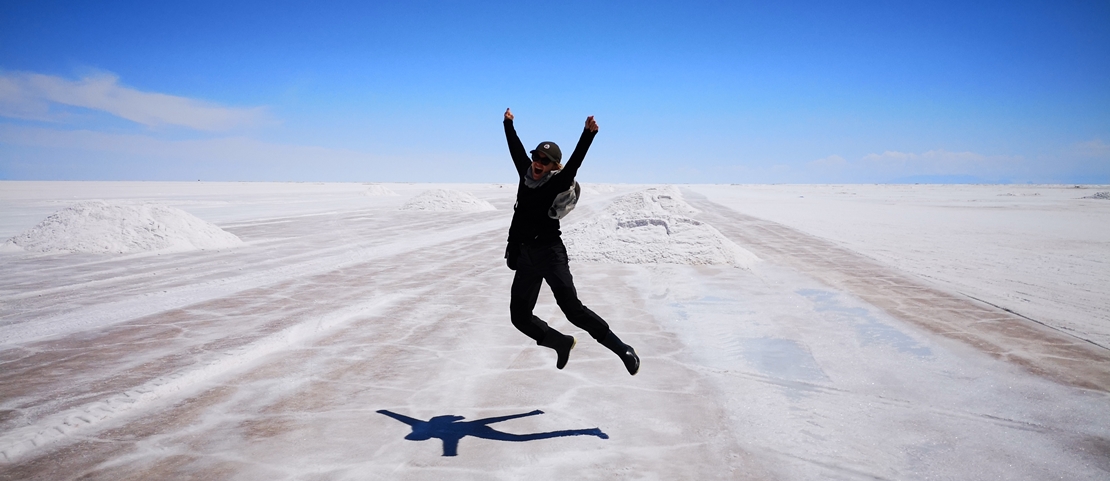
pixel 542 160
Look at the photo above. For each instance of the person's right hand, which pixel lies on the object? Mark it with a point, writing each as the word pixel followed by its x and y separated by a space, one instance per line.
pixel 508 114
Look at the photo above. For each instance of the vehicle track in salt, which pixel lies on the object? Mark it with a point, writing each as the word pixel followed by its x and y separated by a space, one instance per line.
pixel 100 298
pixel 57 374
pixel 57 276
pixel 59 386
pixel 419 353
pixel 1000 333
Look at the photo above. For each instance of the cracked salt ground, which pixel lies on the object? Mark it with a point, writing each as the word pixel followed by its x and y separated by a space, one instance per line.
pixel 277 360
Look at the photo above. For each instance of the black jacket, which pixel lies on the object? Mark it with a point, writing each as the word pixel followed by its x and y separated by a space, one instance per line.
pixel 530 220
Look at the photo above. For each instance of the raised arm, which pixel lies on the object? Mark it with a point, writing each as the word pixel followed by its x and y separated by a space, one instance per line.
pixel 516 149
pixel 505 418
pixel 587 138
pixel 400 417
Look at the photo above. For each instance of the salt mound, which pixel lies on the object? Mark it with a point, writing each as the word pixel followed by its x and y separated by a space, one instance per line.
pixel 378 190
pixel 598 188
pixel 100 227
pixel 1099 195
pixel 652 227
pixel 447 200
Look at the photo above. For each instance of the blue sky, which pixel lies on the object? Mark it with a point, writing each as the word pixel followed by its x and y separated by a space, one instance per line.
pixel 736 92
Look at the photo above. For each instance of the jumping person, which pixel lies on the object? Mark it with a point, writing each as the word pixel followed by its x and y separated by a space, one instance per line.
pixel 536 252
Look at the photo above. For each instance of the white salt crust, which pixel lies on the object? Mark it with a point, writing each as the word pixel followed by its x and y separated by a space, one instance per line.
pixel 115 228
pixel 447 200
pixel 652 226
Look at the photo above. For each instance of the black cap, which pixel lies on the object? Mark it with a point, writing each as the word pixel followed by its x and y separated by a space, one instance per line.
pixel 551 150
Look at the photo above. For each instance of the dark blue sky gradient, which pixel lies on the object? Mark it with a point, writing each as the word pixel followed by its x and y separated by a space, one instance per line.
pixel 714 92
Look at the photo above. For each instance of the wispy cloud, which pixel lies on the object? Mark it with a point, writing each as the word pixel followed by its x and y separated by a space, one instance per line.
pixel 1094 148
pixel 37 97
pixel 137 156
pixel 931 160
pixel 227 149
pixel 893 165
pixel 940 163
pixel 831 162
pixel 36 152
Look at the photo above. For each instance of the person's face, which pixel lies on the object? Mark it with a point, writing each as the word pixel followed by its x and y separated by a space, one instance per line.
pixel 539 168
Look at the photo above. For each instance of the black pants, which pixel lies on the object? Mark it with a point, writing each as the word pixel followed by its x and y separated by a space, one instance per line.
pixel 548 262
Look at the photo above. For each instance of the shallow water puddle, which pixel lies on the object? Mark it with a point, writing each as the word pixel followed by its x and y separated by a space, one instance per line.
pixel 782 358
pixel 866 323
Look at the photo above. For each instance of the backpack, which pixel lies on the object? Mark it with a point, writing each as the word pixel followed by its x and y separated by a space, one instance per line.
pixel 565 202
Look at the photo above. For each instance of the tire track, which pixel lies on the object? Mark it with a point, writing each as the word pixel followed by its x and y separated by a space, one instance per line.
pixel 1003 335
pixel 29 327
pixel 867 399
pixel 80 420
pixel 61 274
pixel 233 353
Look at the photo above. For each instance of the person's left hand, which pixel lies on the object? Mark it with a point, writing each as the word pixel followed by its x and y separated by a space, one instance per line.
pixel 590 124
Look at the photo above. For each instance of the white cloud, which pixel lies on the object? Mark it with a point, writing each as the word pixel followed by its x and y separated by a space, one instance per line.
pixel 831 162
pixel 230 149
pixel 938 162
pixel 33 96
pixel 928 159
pixel 1093 148
pixel 897 166
pixel 28 152
pixel 889 156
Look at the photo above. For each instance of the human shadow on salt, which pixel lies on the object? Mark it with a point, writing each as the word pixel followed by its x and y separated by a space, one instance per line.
pixel 451 429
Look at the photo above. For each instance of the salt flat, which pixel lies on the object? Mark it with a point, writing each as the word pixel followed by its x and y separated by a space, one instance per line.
pixel 885 332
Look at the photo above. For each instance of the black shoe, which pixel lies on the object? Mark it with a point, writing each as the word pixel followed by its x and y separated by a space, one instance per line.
pixel 562 344
pixel 626 353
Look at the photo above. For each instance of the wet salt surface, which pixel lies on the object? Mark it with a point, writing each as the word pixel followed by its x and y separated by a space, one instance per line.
pixel 825 399
pixel 1039 250
pixel 867 326
pixel 278 360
